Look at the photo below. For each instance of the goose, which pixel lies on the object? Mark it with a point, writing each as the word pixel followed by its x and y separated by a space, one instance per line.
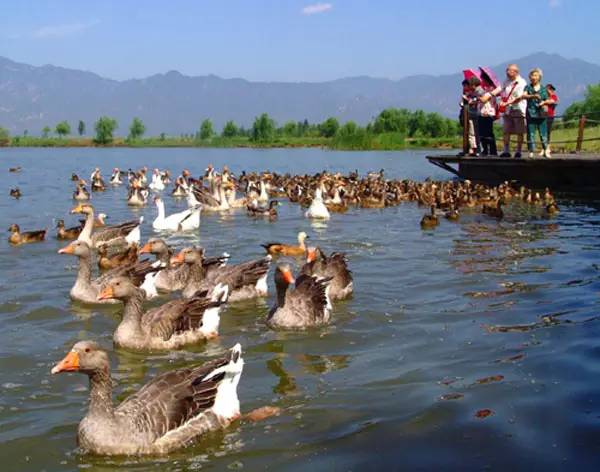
pixel 430 220
pixel 270 211
pixel 81 193
pixel 157 183
pixel 335 267
pixel 305 306
pixel 18 237
pixel 263 196
pixel 217 201
pixel 245 281
pixel 115 178
pixel 181 187
pixel 279 249
pixel 125 233
pixel 172 325
pixel 107 262
pixel 67 233
pixel 183 221
pixel 15 193
pixel 168 413
pixel 87 290
pixel 97 181
pixel 317 209
pixel 170 278
pixel 137 196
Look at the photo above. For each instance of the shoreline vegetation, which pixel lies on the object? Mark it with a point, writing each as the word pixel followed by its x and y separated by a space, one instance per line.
pixel 392 129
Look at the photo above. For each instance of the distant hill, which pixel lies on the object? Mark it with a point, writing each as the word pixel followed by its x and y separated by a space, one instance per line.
pixel 33 97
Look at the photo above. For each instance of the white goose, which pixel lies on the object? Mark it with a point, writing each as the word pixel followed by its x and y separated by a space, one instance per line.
pixel 183 221
pixel 317 208
pixel 157 183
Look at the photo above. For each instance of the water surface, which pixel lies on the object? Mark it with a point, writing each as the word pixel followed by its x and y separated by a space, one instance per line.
pixel 475 315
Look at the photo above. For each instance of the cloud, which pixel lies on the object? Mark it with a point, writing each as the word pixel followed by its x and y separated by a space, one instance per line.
pixel 62 31
pixel 316 8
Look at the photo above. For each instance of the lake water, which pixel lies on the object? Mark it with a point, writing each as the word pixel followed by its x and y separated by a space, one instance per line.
pixel 394 383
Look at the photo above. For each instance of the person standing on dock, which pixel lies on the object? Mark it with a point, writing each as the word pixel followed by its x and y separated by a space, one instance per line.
pixel 487 115
pixel 537 112
pixel 552 102
pixel 513 109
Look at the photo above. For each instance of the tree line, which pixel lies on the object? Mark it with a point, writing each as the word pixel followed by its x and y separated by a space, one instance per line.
pixel 398 121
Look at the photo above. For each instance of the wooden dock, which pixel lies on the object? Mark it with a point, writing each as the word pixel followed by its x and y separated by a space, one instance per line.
pixel 572 173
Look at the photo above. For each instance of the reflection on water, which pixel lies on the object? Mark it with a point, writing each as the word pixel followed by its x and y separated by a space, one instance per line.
pixel 471 346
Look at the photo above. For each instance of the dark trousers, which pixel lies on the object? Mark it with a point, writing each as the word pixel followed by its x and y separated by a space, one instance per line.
pixel 549 123
pixel 486 135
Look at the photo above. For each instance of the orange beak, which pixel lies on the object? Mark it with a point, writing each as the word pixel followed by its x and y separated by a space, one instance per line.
pixel 178 259
pixel 77 209
pixel 67 250
pixel 69 364
pixel 288 277
pixel 311 256
pixel 107 293
pixel 146 249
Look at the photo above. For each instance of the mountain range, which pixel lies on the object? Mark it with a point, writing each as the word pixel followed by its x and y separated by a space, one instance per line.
pixel 32 97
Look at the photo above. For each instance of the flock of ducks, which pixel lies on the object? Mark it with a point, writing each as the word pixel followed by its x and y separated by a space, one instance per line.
pixel 177 407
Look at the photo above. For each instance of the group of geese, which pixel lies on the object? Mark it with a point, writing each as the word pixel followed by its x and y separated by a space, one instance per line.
pixel 178 406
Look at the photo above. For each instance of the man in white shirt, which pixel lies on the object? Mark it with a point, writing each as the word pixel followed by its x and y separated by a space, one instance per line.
pixel 513 108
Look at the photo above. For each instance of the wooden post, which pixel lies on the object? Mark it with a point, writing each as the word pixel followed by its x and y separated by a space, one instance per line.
pixel 465 115
pixel 580 134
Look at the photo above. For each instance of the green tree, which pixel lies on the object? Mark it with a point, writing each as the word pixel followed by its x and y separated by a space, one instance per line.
pixel 329 127
pixel 290 128
pixel 62 129
pixel 589 105
pixel 348 129
pixel 105 127
pixel 206 129
pixel 229 130
pixel 81 128
pixel 136 129
pixel 163 136
pixel 263 129
pixel 4 137
pixel 46 131
pixel 416 123
pixel 392 120
pixel 435 125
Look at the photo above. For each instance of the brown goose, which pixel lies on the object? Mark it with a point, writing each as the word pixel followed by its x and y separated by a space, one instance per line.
pixel 87 290
pixel 170 326
pixel 81 193
pixel 305 306
pixel 23 237
pixel 430 220
pixel 245 281
pixel 168 413
pixel 124 234
pixel 335 267
pixel 278 249
pixel 171 277
pixel 67 233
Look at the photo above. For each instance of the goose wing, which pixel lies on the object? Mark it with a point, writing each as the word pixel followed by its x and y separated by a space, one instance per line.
pixel 309 299
pixel 204 197
pixel 109 233
pixel 171 399
pixel 247 273
pixel 136 272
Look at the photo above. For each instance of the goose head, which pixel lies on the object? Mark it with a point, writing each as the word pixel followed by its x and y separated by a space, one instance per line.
pixel 302 236
pixel 119 288
pixel 76 248
pixel 84 208
pixel 14 228
pixel 60 224
pixel 284 276
pixel 188 255
pixel 154 246
pixel 84 356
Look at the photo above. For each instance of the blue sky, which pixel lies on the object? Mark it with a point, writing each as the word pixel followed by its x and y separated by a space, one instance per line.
pixel 293 40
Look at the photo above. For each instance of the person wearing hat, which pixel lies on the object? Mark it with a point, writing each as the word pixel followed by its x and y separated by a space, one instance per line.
pixel 552 102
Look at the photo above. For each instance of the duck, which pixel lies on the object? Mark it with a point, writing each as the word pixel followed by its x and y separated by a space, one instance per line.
pixel 279 249
pixel 317 209
pixel 183 221
pixel 452 214
pixel 170 277
pixel 270 211
pixel 85 289
pixel 18 237
pixel 81 193
pixel 245 281
pixel 430 220
pixel 14 169
pixel 494 211
pixel 15 192
pixel 307 305
pixel 125 233
pixel 115 178
pixel 74 177
pixel 107 262
pixel 168 413
pixel 173 325
pixel 157 183
pixel 67 233
pixel 552 208
pixel 334 267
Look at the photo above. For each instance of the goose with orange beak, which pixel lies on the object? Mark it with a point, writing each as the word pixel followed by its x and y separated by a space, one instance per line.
pixel 335 267
pixel 168 413
pixel 124 234
pixel 304 306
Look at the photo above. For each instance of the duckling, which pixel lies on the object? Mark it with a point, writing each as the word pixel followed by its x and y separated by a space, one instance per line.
pixel 67 233
pixel 106 262
pixel 278 249
pixel 452 214
pixel 14 169
pixel 552 208
pixel 15 192
pixel 430 221
pixel 17 237
pixel 495 211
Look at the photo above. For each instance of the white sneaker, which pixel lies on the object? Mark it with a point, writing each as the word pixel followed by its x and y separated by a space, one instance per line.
pixel 542 153
pixel 530 155
pixel 548 154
